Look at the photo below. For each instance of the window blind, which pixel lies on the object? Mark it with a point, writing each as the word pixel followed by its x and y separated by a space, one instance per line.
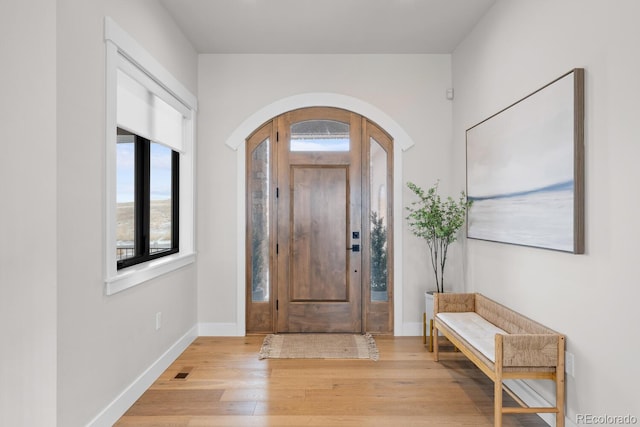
pixel 146 109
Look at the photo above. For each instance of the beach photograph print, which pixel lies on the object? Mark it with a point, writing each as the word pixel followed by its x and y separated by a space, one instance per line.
pixel 524 170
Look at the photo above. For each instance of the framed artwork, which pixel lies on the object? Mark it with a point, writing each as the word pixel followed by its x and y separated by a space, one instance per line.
pixel 525 170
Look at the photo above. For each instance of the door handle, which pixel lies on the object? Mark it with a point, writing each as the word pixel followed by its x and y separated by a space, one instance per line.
pixel 354 248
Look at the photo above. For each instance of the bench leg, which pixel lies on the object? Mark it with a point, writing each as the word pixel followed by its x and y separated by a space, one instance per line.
pixel 497 383
pixel 435 343
pixel 430 334
pixel 560 401
pixel 560 384
pixel 497 402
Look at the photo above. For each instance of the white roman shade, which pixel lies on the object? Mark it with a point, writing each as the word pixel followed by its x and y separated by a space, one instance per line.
pixel 147 109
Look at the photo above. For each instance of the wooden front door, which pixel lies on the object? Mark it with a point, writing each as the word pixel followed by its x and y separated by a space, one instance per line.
pixel 319 210
pixel 319 224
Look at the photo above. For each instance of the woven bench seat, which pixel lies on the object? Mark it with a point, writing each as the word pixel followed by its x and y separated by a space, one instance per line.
pixel 504 345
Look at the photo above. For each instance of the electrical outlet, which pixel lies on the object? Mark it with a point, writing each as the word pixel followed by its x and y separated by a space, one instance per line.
pixel 569 363
pixel 158 320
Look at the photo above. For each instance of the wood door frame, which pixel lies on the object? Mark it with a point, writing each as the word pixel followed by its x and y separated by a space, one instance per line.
pixel 260 314
pixel 377 317
pixel 367 129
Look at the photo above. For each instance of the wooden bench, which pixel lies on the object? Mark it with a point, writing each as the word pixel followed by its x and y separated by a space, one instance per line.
pixel 504 345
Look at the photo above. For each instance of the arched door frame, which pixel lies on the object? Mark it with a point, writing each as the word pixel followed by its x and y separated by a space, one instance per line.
pixel 402 142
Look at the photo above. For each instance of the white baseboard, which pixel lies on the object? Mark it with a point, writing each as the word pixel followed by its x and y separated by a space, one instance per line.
pixel 219 330
pixel 128 397
pixel 409 329
pixel 211 329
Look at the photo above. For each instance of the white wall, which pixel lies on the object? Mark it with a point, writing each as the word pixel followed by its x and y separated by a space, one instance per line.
pixel 106 342
pixel 28 214
pixel 94 346
pixel 518 47
pixel 410 89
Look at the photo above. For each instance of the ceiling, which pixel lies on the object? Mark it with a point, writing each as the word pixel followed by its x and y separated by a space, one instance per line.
pixel 326 26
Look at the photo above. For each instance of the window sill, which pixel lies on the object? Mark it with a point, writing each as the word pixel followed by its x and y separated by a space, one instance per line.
pixel 137 274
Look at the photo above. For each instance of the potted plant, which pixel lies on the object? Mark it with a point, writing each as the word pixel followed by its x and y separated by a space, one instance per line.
pixel 437 221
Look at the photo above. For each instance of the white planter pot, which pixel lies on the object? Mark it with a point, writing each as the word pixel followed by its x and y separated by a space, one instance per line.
pixel 428 305
pixel 428 309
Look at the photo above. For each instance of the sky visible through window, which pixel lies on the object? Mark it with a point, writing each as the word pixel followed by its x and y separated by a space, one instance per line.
pixel 160 171
pixel 319 135
pixel 320 144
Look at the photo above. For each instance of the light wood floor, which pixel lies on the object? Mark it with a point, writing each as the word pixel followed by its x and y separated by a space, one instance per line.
pixel 228 386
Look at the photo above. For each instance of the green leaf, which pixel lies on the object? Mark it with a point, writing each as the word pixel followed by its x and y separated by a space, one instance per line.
pixel 437 221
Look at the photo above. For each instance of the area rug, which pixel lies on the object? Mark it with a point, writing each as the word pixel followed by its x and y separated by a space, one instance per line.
pixel 319 346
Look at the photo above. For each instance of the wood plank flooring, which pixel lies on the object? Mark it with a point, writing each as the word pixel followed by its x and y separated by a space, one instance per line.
pixel 227 385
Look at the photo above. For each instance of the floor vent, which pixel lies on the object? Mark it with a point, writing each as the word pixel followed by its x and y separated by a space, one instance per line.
pixel 181 375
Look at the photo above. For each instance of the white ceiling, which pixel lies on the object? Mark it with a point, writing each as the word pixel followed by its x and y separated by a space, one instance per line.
pixel 326 26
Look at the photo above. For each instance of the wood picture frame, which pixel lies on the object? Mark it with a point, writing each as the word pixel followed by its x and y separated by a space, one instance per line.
pixel 525 170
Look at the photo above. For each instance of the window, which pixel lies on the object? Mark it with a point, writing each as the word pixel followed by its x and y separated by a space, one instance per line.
pixel 379 266
pixel 320 135
pixel 147 200
pixel 149 168
pixel 259 183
